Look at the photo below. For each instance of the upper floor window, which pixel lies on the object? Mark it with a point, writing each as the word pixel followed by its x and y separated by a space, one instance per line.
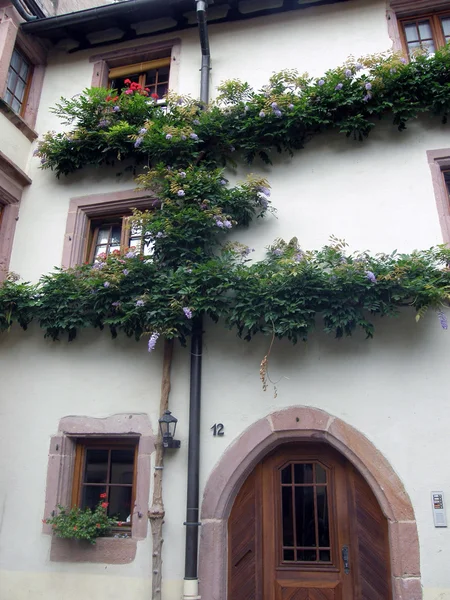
pixel 427 32
pixel 152 75
pixel 114 234
pixel 18 82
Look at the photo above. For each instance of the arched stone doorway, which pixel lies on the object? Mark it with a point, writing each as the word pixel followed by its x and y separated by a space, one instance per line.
pixel 297 424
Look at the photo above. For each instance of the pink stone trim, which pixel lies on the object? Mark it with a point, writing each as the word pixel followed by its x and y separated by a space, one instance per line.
pixel 438 161
pixel 36 52
pixel 117 58
pixel 60 475
pixel 12 182
pixel 394 31
pixel 83 208
pixel 299 424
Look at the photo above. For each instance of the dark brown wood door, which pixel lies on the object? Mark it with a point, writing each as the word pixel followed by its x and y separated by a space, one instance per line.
pixel 306 526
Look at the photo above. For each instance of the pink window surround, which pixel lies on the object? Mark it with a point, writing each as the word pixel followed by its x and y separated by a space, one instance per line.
pixel 61 462
pixel 84 208
pixel 35 52
pixel 136 54
pixel 439 161
pixel 12 183
pixel 405 8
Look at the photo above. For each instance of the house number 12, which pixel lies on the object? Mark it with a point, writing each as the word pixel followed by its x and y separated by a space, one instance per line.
pixel 218 429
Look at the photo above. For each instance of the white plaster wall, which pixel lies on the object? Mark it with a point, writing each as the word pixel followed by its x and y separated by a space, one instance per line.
pixel 13 143
pixel 377 195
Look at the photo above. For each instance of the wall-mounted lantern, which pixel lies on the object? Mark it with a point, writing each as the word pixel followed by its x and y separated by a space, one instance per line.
pixel 168 426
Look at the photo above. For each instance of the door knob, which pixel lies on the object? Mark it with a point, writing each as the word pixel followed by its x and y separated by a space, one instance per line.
pixel 345 559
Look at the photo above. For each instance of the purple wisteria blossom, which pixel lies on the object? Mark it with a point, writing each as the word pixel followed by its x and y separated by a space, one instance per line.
pixel 187 312
pixel 274 105
pixel 277 113
pixel 359 66
pixel 227 224
pixel 368 86
pixel 348 73
pixel 138 142
pixel 442 319
pixel 103 123
pixel 232 148
pixel 152 341
pixel 125 272
pixel 180 101
pixel 43 161
pixel 116 304
pixel 278 251
pixel 403 61
pixel 290 106
pixel 181 193
pixel 193 136
pixel 196 122
pixel 159 235
pixel 264 190
pixel 262 114
pixel 339 86
pixel 116 109
pixel 143 131
pixel 130 254
pixel 298 256
pixel 184 138
pixel 321 82
pixel 106 284
pixel 183 174
pixel 246 108
pixel 367 97
pixel 169 136
pixel 219 223
pixel 263 202
pixel 223 182
pixel 371 276
pixel 140 303
pixel 98 265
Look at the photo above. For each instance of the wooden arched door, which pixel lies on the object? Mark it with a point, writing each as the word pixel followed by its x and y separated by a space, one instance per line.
pixel 306 526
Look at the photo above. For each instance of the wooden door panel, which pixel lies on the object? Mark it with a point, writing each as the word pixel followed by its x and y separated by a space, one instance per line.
pixel 371 542
pixel 295 590
pixel 244 542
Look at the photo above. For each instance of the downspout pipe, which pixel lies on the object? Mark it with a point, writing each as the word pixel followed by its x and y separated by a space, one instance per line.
pixel 22 12
pixel 190 588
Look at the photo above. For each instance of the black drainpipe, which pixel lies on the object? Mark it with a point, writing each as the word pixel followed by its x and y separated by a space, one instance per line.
pixel 22 12
pixel 193 481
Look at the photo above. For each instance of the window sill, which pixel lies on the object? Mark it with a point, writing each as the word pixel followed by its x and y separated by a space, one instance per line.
pixel 111 551
pixel 18 121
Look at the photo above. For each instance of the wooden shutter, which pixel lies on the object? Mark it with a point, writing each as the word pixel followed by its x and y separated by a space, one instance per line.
pixel 370 534
pixel 244 542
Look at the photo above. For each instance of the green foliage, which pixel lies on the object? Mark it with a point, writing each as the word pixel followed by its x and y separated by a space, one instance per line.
pixel 283 116
pixel 286 295
pixel 192 271
pixel 74 523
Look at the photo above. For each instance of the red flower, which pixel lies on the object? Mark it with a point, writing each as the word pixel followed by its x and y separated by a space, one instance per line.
pixel 75 528
pixel 103 495
pixel 128 91
pixel 44 521
pixel 120 523
pixel 104 504
pixel 147 89
pixel 98 525
pixel 155 96
pixel 114 99
pixel 127 81
pixel 108 98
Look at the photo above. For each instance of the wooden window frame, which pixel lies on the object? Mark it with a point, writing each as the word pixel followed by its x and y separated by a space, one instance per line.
pixel 435 25
pixel 24 101
pixel 82 445
pixel 125 233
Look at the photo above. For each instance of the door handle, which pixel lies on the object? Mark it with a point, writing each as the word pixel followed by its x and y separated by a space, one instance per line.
pixel 345 559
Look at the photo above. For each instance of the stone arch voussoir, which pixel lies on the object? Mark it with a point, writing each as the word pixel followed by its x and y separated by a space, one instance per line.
pixel 295 424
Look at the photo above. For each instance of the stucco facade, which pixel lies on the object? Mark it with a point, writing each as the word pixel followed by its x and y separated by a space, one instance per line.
pixel 377 195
